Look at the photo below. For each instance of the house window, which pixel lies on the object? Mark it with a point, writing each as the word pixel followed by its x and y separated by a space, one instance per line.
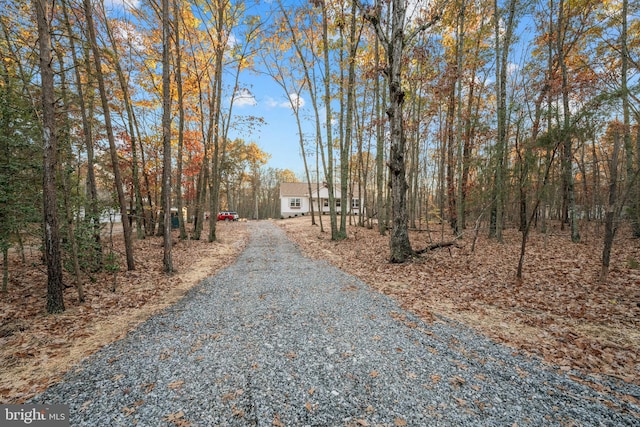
pixel 295 203
pixel 337 203
pixel 325 203
pixel 355 203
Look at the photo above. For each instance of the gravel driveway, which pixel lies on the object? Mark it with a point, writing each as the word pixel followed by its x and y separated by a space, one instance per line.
pixel 277 339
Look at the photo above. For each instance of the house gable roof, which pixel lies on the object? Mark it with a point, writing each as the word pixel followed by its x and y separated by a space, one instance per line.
pixel 301 189
pixel 297 189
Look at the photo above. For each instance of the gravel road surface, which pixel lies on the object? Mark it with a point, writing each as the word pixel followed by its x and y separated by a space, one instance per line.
pixel 278 339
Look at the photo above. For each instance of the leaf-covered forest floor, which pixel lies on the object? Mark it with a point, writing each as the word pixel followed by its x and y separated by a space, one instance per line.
pixel 560 312
pixel 36 349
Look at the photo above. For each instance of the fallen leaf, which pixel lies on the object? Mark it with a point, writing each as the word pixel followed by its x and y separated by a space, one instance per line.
pixel 276 421
pixel 176 384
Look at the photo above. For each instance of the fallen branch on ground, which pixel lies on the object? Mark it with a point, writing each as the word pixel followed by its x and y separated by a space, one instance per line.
pixel 438 245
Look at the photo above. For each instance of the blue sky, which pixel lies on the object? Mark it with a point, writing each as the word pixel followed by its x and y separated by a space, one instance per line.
pixel 278 136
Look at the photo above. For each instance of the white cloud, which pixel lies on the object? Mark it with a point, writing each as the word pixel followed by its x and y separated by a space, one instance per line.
pixel 512 68
pixel 244 97
pixel 130 35
pixel 121 4
pixel 295 101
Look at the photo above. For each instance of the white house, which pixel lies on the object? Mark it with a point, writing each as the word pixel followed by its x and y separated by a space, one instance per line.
pixel 295 199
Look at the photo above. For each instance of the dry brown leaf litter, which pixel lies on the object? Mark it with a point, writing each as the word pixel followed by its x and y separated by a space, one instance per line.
pixel 560 312
pixel 36 349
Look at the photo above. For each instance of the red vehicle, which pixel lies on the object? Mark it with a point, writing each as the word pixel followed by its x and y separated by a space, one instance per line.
pixel 227 216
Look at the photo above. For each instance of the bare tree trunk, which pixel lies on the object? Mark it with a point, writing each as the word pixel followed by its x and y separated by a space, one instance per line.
pixel 527 228
pixel 450 142
pixel 65 174
pixel 460 205
pixel 92 191
pixel 166 137
pixel 399 245
pixel 178 72
pixel 214 184
pixel 203 175
pixel 624 57
pixel 55 287
pixel 328 119
pixel 610 216
pixel 109 128
pixel 345 203
pixel 569 196
pixel 380 187
pixel 140 233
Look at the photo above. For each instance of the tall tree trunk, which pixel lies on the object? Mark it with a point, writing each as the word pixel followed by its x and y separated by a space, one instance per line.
pixel 345 203
pixel 55 286
pixel 610 215
pixel 399 245
pixel 93 212
pixel 109 128
pixel 178 72
pixel 328 120
pixel 502 48
pixel 149 215
pixel 539 198
pixel 568 197
pixel 203 175
pixel 124 85
pixel 214 186
pixel 65 174
pixel 460 205
pixel 497 211
pixel 450 142
pixel 380 187
pixel 166 137
pixel 630 152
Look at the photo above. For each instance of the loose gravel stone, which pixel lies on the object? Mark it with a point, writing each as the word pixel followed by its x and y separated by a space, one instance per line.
pixel 278 339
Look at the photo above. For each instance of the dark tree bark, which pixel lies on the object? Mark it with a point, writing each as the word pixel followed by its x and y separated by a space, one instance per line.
pixel 399 245
pixel 380 187
pixel 345 203
pixel 55 286
pixel 87 130
pixel 126 227
pixel 124 85
pixel 166 138
pixel 65 171
pixel 328 119
pixel 181 119
pixel 611 214
pixel 568 191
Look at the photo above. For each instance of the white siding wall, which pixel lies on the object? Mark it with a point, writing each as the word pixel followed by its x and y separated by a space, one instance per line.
pixel 286 211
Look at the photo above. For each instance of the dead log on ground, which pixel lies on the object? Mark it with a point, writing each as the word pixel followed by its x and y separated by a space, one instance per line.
pixel 438 245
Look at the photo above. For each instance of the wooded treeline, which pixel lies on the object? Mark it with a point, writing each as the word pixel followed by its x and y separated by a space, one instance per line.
pixel 474 115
